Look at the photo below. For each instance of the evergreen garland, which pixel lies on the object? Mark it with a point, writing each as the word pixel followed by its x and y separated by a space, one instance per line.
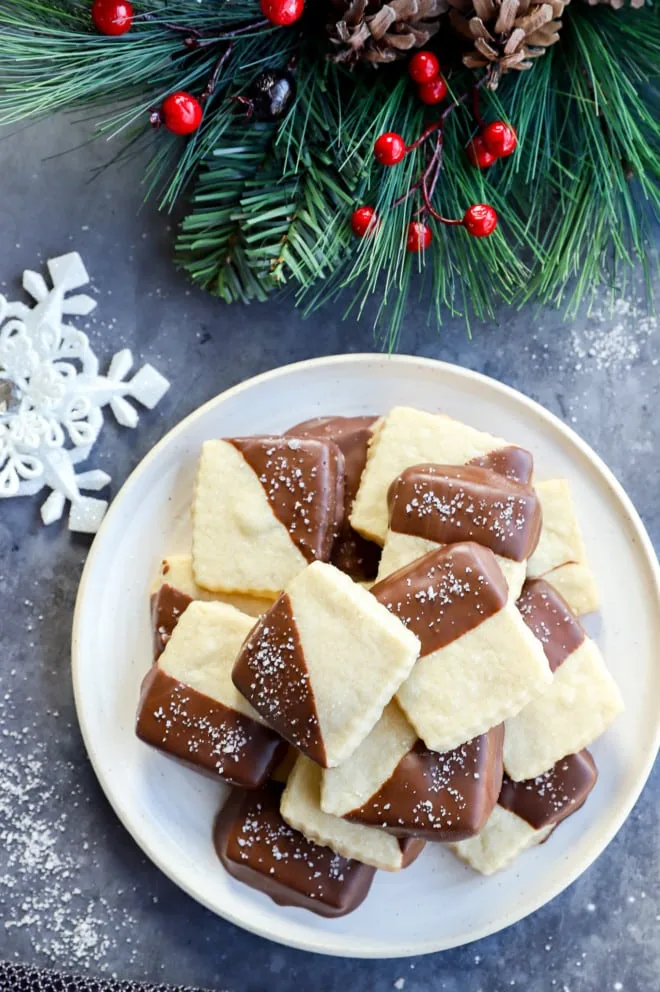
pixel 268 205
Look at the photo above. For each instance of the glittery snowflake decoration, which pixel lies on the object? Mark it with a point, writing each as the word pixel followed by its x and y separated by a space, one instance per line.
pixel 52 396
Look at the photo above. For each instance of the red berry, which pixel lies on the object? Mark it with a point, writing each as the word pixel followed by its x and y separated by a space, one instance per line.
pixel 419 236
pixel 423 67
pixel 282 12
pixel 480 220
pixel 181 113
pixel 390 148
pixel 500 139
pixel 364 221
pixel 112 16
pixel 479 155
pixel 432 92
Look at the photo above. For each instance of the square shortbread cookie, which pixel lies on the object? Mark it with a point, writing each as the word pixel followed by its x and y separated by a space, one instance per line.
pixel 412 437
pixel 323 663
pixel 301 809
pixel 479 662
pixel 579 704
pixel 190 708
pixel 560 557
pixel 442 504
pixel 259 849
pixel 393 781
pixel 351 552
pixel 263 508
pixel 175 589
pixel 527 812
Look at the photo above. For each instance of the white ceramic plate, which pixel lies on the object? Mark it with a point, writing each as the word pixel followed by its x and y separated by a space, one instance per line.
pixel 169 809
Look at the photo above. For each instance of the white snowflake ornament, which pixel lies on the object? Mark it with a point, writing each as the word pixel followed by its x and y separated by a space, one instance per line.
pixel 52 395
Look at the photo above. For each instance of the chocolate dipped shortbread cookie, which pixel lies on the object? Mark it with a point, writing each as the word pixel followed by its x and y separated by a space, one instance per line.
pixel 263 509
pixel 527 812
pixel 413 437
pixel 323 663
pixel 579 704
pixel 259 849
pixel 479 663
pixel 395 782
pixel 434 505
pixel 189 706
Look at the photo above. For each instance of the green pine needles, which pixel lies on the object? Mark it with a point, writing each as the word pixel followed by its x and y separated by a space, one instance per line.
pixel 268 206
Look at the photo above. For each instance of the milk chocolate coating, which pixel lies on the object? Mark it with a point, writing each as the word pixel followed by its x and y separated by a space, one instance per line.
pixel 271 672
pixel 351 552
pixel 205 733
pixel 167 605
pixel 548 616
pixel 258 848
pixel 304 483
pixel 513 462
pixel 440 797
pixel 548 799
pixel 450 503
pixel 444 594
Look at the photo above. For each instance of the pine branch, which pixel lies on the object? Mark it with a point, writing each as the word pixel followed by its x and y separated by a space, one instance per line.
pixel 212 246
pixel 271 205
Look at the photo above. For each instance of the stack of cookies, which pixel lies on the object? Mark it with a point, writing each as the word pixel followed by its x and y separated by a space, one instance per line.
pixel 375 640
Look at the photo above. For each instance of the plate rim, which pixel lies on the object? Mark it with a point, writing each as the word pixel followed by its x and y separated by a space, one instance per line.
pixel 315 943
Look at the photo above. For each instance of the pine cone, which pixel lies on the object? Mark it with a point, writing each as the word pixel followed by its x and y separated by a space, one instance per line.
pixel 506 34
pixel 377 32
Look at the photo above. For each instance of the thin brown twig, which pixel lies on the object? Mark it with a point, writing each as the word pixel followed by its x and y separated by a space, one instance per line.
pixel 198 38
pixel 209 89
pixel 428 180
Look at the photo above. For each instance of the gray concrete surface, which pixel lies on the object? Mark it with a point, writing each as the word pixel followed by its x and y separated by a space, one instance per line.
pixel 75 891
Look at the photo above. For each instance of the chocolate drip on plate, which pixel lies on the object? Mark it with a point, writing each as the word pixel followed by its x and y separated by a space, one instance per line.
pixel 513 462
pixel 439 797
pixel 447 503
pixel 352 553
pixel 167 605
pixel 548 799
pixel 204 732
pixel 271 672
pixel 258 848
pixel 548 616
pixel 304 484
pixel 444 594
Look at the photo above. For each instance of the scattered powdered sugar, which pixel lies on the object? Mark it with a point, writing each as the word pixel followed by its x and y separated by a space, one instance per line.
pixel 612 338
pixel 44 885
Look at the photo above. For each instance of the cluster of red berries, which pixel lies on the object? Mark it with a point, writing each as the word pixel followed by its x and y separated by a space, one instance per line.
pixel 495 140
pixel 424 69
